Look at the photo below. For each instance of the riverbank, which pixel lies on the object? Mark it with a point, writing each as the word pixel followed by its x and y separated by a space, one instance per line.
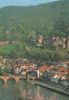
pixel 51 87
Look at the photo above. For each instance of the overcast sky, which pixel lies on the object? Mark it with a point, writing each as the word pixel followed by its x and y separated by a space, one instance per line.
pixel 22 2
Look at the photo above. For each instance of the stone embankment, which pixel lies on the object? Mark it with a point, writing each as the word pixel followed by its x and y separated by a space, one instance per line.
pixel 55 88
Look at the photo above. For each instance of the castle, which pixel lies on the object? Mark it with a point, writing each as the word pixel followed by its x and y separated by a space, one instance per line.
pixel 55 41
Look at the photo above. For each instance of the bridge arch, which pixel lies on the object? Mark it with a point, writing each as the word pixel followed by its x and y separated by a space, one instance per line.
pixel 5 79
pixel 11 81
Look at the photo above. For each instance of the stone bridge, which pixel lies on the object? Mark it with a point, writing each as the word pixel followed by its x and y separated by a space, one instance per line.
pixel 6 78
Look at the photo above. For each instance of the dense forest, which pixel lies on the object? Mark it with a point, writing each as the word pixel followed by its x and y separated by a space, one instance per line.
pixel 20 23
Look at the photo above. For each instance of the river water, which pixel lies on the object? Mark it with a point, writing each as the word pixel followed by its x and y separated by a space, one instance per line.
pixel 12 92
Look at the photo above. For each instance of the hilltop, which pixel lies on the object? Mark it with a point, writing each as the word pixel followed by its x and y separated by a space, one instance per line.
pixel 39 18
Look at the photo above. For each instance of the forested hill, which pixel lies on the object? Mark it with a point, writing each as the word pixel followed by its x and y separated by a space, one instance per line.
pixel 42 18
pixel 22 25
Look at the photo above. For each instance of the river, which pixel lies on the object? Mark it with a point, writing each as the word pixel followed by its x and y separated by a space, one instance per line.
pixel 12 92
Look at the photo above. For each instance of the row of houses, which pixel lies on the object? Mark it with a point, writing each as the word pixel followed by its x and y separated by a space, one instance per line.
pixel 55 70
pixel 32 71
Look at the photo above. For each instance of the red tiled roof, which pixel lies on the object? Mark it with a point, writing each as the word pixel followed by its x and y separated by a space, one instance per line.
pixel 44 68
pixel 62 69
pixel 28 64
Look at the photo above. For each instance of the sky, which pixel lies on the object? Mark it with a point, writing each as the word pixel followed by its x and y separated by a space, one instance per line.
pixel 4 3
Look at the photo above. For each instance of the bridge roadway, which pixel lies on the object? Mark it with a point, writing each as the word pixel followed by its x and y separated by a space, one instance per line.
pixel 6 78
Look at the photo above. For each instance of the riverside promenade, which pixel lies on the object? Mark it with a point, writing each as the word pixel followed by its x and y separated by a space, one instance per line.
pixel 55 88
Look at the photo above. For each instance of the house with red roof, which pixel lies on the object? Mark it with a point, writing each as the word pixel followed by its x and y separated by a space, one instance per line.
pixel 43 68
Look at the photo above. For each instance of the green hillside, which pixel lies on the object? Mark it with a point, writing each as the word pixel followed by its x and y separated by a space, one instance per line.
pixel 39 18
pixel 22 22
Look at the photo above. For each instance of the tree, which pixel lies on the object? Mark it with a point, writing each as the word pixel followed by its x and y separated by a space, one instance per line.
pixel 61 24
